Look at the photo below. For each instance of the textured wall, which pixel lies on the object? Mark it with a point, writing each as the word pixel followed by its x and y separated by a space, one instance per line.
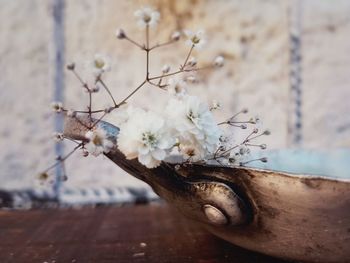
pixel 252 35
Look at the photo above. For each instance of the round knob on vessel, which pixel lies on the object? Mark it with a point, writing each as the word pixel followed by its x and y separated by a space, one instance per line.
pixel 214 215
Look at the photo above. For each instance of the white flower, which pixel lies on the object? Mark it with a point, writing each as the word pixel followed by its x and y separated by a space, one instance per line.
pixel 145 136
pixel 191 151
pixel 98 142
pixel 194 124
pixel 122 114
pixel 176 87
pixel 99 64
pixel 196 39
pixel 147 17
pixel 219 61
pixel 57 106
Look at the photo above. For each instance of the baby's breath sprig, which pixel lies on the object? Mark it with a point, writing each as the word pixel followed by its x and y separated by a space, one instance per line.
pixel 96 141
pixel 237 154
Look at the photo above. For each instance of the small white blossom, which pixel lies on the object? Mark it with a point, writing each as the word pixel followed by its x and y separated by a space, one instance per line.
pixel 219 61
pixel 175 36
pixel 177 87
pixel 145 136
pixel 99 64
pixel 196 39
pixel 57 106
pixel 165 69
pixel 98 142
pixel 194 124
pixel 58 136
pixel 120 33
pixel 147 17
pixel 122 114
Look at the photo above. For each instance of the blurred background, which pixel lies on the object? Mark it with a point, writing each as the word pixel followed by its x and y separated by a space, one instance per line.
pixel 287 61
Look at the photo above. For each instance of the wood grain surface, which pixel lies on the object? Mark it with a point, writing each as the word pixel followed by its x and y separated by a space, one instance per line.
pixel 143 233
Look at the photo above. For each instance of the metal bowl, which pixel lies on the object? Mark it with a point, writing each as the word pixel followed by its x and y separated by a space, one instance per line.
pixel 291 216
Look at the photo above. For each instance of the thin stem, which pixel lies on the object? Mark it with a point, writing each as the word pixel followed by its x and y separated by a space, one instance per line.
pixel 241 122
pixel 147 52
pixel 69 139
pixel 162 44
pixel 254 160
pixel 93 111
pixel 247 139
pixel 253 145
pixel 188 56
pixel 134 42
pixel 230 149
pixel 64 158
pixel 100 119
pixel 80 79
pixel 230 119
pixel 80 122
pixel 254 137
pixel 107 89
pixel 158 85
pixel 166 75
pixel 132 93
pixel 147 36
pixel 90 106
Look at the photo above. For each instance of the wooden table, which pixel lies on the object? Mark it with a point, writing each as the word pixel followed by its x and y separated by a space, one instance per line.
pixel 142 233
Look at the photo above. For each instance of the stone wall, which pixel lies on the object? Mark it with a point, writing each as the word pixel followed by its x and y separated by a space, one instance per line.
pixel 253 36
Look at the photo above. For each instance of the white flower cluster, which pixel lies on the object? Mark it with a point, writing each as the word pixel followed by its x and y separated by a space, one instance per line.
pixel 187 125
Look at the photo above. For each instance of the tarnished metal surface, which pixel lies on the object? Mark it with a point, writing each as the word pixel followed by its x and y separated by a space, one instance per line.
pixel 289 216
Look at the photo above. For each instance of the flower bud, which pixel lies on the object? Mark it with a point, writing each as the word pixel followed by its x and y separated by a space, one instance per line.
pixel 267 132
pixel 108 109
pixel 219 61
pixel 43 176
pixel 264 159
pixel 58 137
pixel 84 153
pixel 95 89
pixel 175 36
pixel 71 66
pixel 120 34
pixel 57 106
pixel 166 69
